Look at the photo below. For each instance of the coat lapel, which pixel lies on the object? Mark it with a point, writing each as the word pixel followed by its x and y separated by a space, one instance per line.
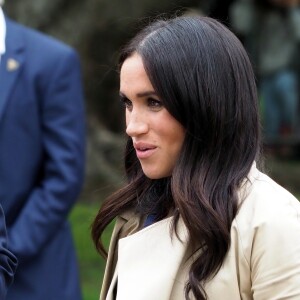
pixel 126 224
pixel 150 260
pixel 11 63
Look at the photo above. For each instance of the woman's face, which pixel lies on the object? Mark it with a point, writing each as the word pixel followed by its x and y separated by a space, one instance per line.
pixel 157 137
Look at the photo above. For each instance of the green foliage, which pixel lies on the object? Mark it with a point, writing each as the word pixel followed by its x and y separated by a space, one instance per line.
pixel 90 262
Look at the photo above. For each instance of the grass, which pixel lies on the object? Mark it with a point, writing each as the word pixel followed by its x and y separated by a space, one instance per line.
pixel 90 262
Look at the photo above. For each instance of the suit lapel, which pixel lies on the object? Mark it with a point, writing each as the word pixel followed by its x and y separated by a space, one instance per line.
pixel 11 63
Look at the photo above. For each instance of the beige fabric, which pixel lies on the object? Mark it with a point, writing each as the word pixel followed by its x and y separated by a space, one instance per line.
pixel 263 262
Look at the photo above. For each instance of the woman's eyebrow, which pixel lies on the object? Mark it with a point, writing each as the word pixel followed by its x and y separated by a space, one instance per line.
pixel 140 95
pixel 146 94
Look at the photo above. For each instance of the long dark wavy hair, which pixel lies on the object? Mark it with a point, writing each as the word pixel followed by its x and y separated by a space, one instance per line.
pixel 203 75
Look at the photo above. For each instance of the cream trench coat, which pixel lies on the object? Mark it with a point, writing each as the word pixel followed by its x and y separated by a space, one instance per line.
pixel 263 262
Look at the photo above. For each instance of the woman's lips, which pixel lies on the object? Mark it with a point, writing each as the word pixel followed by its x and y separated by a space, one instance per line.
pixel 144 150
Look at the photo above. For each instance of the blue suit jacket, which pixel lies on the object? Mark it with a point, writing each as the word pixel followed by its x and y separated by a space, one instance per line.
pixel 41 161
pixel 8 261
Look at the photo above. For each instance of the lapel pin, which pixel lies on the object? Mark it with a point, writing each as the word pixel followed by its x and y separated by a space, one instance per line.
pixel 12 64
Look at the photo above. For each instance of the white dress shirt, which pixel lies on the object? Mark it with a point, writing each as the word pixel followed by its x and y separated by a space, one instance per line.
pixel 2 33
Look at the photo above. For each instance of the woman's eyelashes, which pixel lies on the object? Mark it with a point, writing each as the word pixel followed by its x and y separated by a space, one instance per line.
pixel 126 102
pixel 154 103
pixel 149 102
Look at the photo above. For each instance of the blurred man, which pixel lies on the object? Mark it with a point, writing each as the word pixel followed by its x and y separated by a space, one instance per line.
pixel 41 159
pixel 271 31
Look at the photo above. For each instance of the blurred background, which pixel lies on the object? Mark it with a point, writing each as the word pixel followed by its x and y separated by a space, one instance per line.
pixel 98 28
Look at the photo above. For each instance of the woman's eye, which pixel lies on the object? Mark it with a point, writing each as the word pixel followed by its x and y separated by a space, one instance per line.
pixel 126 103
pixel 154 103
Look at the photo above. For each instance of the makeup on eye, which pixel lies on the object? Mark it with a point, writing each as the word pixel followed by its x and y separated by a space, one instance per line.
pixel 146 98
pixel 125 101
pixel 154 103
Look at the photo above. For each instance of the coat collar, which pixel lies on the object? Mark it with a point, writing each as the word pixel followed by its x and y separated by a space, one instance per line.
pixel 128 254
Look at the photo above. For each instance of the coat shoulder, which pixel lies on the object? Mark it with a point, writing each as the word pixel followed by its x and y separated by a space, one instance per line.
pixel 37 42
pixel 265 200
pixel 267 213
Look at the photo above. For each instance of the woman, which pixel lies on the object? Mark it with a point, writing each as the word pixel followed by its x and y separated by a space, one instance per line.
pixel 196 220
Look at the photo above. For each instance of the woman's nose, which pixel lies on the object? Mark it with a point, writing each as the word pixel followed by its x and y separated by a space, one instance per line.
pixel 136 124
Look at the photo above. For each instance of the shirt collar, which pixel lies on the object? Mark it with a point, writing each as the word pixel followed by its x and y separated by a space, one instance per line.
pixel 2 32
